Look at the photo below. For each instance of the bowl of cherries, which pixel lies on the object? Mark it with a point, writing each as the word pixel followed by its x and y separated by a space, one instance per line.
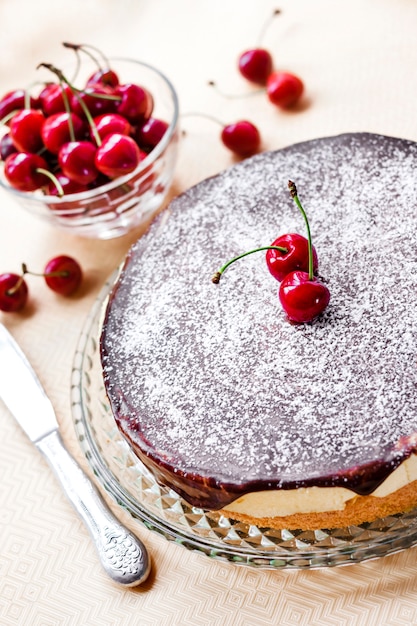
pixel 93 149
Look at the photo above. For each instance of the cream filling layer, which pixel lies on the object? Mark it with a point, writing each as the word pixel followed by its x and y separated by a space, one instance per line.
pixel 281 502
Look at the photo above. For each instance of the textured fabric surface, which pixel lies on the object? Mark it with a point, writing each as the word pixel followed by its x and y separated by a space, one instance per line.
pixel 357 60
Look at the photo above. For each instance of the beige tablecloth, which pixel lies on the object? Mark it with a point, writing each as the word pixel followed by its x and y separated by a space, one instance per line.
pixel 358 62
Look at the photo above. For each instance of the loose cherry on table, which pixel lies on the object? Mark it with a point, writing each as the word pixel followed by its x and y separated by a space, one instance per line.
pixel 284 89
pixel 241 137
pixel 13 292
pixel 255 64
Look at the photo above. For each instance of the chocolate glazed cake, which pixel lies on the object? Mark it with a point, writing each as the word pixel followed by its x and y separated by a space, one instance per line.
pixel 236 409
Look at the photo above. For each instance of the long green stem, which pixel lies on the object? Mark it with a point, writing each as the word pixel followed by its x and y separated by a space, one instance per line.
pixel 294 195
pixel 216 277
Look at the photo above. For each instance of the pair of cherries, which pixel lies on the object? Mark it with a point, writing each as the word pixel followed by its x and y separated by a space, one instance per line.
pixel 292 260
pixel 62 274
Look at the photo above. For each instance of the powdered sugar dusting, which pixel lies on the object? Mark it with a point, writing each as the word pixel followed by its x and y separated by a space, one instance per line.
pixel 213 379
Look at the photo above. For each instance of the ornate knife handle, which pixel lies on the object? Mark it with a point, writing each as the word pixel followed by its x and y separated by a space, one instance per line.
pixel 121 553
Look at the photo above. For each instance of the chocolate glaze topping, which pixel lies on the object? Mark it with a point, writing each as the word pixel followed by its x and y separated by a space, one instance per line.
pixel 214 389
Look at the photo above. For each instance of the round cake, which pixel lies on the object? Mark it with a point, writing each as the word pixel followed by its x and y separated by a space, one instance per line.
pixel 236 409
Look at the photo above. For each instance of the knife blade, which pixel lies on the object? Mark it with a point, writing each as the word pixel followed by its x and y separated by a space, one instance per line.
pixel 122 554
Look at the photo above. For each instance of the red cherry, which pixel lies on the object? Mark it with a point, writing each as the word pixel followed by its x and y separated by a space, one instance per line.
pixel 105 77
pixel 243 138
pixel 63 275
pixel 255 65
pixel 110 123
pixel 52 98
pixel 13 292
pixel 302 298
pixel 21 171
pixel 96 99
pixel 14 101
pixel 136 103
pixel 284 89
pixel 56 130
pixel 150 133
pixel 76 160
pixel 7 146
pixel 296 258
pixel 117 155
pixel 68 186
pixel 25 130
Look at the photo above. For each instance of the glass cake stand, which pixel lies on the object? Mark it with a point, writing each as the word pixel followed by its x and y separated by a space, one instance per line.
pixel 160 509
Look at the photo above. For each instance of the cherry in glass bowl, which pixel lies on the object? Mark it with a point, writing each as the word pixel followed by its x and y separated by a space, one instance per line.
pixel 124 203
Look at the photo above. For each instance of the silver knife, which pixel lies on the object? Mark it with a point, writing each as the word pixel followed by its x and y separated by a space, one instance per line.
pixel 122 554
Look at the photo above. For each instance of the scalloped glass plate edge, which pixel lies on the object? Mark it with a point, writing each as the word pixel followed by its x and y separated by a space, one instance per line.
pixel 160 509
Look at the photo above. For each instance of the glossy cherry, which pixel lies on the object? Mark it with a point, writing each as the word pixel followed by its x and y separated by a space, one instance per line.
pixel 284 89
pixel 303 298
pixel 117 155
pixel 60 128
pixel 255 65
pixel 242 138
pixel 68 186
pixel 7 146
pixel 63 275
pixel 13 292
pixel 16 100
pixel 25 130
pixel 77 161
pixel 150 133
pixel 53 98
pixel 295 258
pixel 110 123
pixel 22 171
pixel 135 102
pixel 98 99
pixel 107 77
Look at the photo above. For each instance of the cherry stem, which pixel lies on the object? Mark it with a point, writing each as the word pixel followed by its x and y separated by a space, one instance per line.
pixel 61 273
pixel 16 287
pixel 216 277
pixel 267 24
pixel 85 48
pixel 205 115
pixel 294 195
pixel 233 96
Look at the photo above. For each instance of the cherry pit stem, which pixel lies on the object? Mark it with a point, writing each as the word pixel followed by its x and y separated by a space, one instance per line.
pixel 216 277
pixel 294 195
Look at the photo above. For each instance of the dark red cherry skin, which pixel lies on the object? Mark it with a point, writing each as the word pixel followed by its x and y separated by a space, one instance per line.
pixel 76 160
pixel 301 298
pixel 20 169
pixel 282 263
pixel 284 89
pixel 242 138
pixel 7 146
pixel 68 186
pixel 25 130
pixel 110 123
pixel 14 101
pixel 106 77
pixel 117 155
pixel 255 65
pixel 96 105
pixel 52 98
pixel 136 103
pixel 150 133
pixel 56 130
pixel 12 299
pixel 63 275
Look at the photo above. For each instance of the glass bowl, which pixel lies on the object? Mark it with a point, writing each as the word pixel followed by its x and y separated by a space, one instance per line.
pixel 117 207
